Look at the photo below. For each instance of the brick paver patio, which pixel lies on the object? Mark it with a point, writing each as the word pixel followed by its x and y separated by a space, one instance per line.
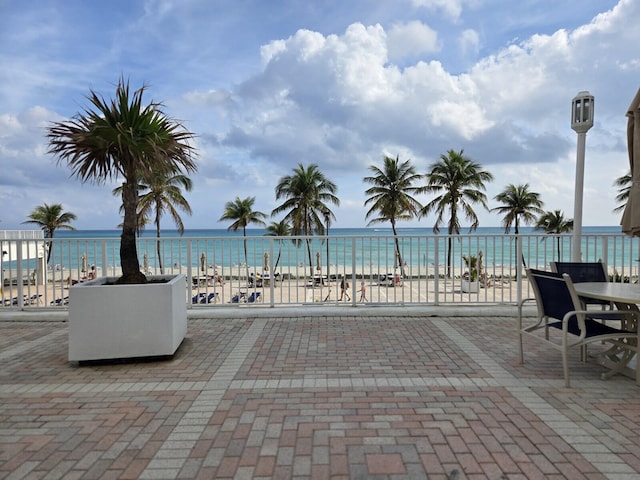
pixel 315 393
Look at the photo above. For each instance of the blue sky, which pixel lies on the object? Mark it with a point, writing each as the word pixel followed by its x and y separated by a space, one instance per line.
pixel 340 83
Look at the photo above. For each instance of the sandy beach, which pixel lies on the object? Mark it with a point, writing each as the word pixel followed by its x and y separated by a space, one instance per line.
pixel 293 287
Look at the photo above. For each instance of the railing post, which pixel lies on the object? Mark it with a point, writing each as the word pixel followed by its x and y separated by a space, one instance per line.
pixel 604 255
pixel 20 274
pixel 436 272
pixel 272 274
pixel 519 269
pixel 103 249
pixel 189 276
pixel 353 271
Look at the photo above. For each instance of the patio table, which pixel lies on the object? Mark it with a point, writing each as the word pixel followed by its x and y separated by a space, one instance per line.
pixel 626 297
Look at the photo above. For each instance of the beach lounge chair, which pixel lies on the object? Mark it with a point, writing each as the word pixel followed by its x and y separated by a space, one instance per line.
pixel 560 308
pixel 239 297
pixel 203 297
pixel 60 301
pixel 212 297
pixel 254 297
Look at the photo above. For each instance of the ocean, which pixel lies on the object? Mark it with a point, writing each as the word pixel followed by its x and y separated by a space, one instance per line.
pixel 357 247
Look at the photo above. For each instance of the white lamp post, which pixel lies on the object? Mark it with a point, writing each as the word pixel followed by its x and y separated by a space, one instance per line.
pixel 581 122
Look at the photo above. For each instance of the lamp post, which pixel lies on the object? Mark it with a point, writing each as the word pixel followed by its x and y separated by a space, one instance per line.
pixel 581 121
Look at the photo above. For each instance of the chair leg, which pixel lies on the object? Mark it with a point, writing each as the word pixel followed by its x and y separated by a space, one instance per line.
pixel 521 349
pixel 565 367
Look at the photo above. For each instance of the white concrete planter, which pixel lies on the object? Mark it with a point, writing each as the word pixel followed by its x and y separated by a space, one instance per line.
pixel 127 321
pixel 468 286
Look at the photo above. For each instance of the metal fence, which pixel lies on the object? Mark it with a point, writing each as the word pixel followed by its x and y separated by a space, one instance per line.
pixel 241 271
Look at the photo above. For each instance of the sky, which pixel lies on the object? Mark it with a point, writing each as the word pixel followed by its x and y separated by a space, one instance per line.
pixel 267 85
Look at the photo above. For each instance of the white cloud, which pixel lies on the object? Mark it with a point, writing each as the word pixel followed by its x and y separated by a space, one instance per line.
pixel 409 40
pixel 451 8
pixel 469 41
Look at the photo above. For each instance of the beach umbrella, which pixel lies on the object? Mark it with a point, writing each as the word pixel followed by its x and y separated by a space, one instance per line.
pixel 318 265
pixel 265 266
pixel 145 263
pixel 479 263
pixel 203 262
pixel 84 263
pixel 631 216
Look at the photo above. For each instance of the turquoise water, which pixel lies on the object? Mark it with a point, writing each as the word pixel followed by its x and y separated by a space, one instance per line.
pixel 360 247
pixel 369 249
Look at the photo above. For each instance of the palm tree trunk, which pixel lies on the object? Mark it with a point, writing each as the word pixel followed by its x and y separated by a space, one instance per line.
pixel 246 257
pixel 158 243
pixel 275 267
pixel 49 247
pixel 128 249
pixel 307 229
pixel 397 244
pixel 449 257
pixel 309 256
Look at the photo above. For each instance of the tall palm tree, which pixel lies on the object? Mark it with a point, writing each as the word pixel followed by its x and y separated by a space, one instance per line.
pixel 624 186
pixel 123 138
pixel 242 213
pixel 554 223
pixel 278 229
pixel 306 194
pixel 159 194
pixel 51 218
pixel 459 183
pixel 518 203
pixel 390 196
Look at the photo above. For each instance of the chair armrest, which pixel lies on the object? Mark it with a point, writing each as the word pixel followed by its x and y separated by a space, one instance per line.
pixel 524 300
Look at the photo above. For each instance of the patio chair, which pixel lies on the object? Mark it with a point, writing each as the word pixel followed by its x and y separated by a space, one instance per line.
pixel 584 272
pixel 560 307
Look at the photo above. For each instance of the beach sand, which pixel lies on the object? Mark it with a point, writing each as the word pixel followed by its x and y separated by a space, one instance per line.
pixel 419 287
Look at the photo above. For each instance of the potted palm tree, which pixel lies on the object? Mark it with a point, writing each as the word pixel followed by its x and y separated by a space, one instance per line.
pixel 470 282
pixel 130 315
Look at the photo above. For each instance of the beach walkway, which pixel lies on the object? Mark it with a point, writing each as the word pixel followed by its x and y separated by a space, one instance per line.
pixel 368 392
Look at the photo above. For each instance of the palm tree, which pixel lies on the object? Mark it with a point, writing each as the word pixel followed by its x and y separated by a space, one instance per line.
pixel 554 223
pixel 306 193
pixel 51 218
pixel 124 138
pixel 390 196
pixel 278 229
pixel 624 186
pixel 459 183
pixel 242 213
pixel 518 204
pixel 159 194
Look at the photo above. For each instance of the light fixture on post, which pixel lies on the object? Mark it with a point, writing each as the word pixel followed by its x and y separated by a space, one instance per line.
pixel 581 121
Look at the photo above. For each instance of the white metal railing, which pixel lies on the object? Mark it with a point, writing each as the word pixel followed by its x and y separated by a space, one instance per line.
pixel 307 270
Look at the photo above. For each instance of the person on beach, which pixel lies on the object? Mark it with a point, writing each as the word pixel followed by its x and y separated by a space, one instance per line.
pixel 363 292
pixel 344 287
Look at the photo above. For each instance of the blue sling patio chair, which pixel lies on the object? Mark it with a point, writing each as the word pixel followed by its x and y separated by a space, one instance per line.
pixel 584 272
pixel 560 310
